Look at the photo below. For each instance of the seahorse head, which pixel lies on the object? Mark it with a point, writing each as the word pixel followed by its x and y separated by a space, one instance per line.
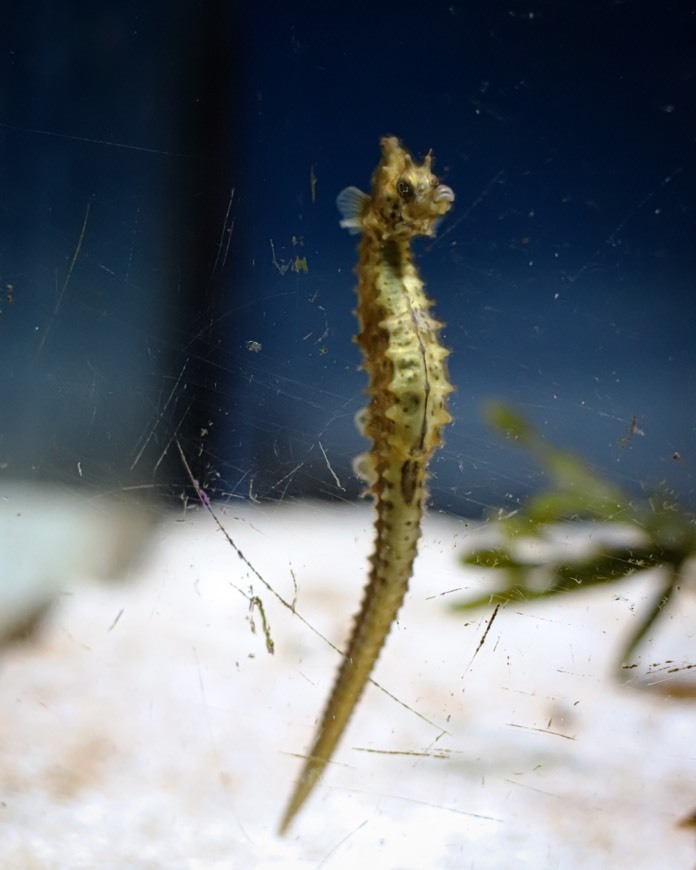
pixel 406 199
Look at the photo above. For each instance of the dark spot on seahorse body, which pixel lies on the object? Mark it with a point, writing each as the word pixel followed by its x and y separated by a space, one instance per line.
pixel 392 256
pixel 409 480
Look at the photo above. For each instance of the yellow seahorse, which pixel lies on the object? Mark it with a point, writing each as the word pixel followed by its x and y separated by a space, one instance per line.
pixel 408 390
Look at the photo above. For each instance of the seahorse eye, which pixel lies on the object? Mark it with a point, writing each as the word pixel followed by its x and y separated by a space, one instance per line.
pixel 405 189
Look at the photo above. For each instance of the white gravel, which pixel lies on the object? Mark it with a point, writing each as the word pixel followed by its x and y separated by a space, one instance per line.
pixel 146 726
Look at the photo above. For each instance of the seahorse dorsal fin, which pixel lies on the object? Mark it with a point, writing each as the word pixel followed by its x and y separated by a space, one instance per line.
pixel 351 203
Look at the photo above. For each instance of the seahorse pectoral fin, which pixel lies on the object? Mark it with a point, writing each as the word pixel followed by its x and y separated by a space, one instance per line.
pixel 351 202
pixel 443 193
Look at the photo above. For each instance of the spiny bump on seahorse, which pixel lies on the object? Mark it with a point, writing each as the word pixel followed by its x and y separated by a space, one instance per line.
pixel 408 389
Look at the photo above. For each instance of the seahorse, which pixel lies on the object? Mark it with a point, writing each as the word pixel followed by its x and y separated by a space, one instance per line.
pixel 408 389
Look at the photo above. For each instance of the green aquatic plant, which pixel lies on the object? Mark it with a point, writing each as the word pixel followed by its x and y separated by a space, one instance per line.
pixel 631 537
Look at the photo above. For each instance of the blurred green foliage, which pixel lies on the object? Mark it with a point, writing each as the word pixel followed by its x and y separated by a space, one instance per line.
pixel 647 533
